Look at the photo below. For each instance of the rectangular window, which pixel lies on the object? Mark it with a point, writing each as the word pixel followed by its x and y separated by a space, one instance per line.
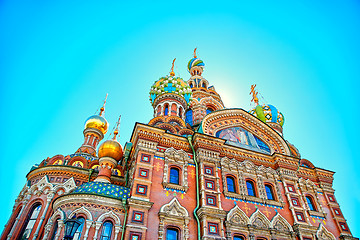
pixel 144 173
pixel 307 238
pixel 210 200
pixel 141 189
pixel 209 184
pixel 145 158
pixel 209 170
pixel 291 188
pixel 213 228
pixel 137 216
pixel 300 216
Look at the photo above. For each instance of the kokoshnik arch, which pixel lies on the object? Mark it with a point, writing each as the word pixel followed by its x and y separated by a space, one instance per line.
pixel 197 170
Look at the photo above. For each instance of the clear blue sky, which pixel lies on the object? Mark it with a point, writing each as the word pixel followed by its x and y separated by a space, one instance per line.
pixel 58 59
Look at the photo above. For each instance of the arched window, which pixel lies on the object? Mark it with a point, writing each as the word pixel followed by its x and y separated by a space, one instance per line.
pixel 78 232
pixel 230 184
pixel 239 238
pixel 189 117
pixel 30 221
pixel 180 112
pixel 269 192
pixel 310 203
pixel 106 231
pixel 209 110
pixel 250 188
pixel 191 85
pixel 203 85
pixel 166 110
pixel 54 229
pixel 174 175
pixel 172 234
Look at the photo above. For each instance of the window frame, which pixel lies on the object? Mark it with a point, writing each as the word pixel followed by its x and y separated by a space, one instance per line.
pixel 179 172
pixel 312 206
pixel 272 191
pixel 29 218
pixel 234 183
pixel 102 229
pixel 253 184
pixel 177 229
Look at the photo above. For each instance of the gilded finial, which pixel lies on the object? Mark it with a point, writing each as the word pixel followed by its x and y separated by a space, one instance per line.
pixel 195 53
pixel 116 131
pixel 102 109
pixel 254 94
pixel 172 68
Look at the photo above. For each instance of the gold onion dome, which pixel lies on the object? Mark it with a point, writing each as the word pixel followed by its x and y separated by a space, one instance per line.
pixel 98 122
pixel 111 148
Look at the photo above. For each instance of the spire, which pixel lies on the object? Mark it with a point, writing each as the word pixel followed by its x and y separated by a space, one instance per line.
pixel 102 109
pixel 254 93
pixel 172 68
pixel 116 131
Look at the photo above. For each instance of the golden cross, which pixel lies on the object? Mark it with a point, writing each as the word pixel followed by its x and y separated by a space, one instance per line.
pixel 267 212
pixel 254 94
pixel 195 53
pixel 157 166
pixel 102 109
pixel 172 68
pixel 192 173
pixel 246 208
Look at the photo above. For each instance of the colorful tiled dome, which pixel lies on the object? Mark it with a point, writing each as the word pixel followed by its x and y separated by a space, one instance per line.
pixel 268 113
pixel 170 84
pixel 195 62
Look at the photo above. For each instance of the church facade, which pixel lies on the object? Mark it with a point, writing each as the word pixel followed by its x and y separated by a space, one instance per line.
pixel 197 170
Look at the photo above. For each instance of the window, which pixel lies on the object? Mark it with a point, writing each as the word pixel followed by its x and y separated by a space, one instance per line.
pixel 166 110
pixel 310 203
pixel 189 117
pixel 55 229
pixel 269 192
pixel 172 234
pixel 250 188
pixel 174 175
pixel 209 110
pixel 30 221
pixel 78 232
pixel 230 184
pixel 180 112
pixel 106 231
pixel 239 238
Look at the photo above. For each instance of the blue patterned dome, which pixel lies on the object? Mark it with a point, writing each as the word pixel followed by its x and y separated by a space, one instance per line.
pixel 103 189
pixel 268 113
pixel 170 84
pixel 195 62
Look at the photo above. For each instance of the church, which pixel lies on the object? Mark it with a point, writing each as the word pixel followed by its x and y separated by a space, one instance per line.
pixel 196 170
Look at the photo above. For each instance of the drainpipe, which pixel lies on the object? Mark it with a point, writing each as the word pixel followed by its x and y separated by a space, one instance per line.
pixel 125 217
pixel 197 188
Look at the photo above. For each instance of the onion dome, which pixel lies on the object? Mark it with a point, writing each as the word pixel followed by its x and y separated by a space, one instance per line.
pixel 111 148
pixel 195 62
pixel 171 84
pixel 98 122
pixel 268 113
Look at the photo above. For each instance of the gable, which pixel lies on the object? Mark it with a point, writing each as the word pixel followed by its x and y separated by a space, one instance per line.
pixel 239 128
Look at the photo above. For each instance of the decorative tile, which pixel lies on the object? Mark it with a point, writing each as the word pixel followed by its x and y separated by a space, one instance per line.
pixel 141 189
pixel 144 173
pixel 104 189
pixel 209 170
pixel 210 200
pixel 145 158
pixel 213 228
pixel 138 216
